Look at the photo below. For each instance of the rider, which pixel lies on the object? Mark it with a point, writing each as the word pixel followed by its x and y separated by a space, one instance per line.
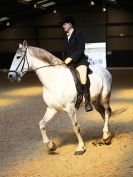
pixel 74 56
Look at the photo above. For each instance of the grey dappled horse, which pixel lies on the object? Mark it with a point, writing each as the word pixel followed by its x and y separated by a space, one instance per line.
pixel 59 91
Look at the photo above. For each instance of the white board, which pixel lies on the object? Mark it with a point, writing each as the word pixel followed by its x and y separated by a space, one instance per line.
pixel 96 53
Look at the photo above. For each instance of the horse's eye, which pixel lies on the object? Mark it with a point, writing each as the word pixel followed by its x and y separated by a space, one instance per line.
pixel 18 57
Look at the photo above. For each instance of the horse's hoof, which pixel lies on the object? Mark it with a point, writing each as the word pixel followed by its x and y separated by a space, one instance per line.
pixel 107 141
pixel 79 152
pixel 98 143
pixel 52 153
pixel 52 146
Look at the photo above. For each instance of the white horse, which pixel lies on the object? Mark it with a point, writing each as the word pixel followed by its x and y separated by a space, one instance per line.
pixel 59 91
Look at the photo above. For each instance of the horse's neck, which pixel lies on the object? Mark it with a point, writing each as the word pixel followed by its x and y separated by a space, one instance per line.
pixel 50 75
pixel 47 74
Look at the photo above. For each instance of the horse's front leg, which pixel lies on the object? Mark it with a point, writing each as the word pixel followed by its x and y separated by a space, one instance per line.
pixel 81 147
pixel 50 113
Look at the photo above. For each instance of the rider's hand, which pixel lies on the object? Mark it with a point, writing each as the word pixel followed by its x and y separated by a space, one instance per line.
pixel 68 60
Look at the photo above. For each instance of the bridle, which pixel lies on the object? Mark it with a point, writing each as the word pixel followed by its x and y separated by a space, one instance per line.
pixel 25 60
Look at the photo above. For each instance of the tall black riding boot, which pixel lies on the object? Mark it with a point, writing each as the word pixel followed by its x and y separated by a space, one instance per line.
pixel 86 93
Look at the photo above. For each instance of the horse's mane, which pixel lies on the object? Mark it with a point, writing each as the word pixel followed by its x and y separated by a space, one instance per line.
pixel 44 55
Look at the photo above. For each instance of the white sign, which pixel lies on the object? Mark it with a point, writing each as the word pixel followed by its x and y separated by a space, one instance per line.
pixel 96 53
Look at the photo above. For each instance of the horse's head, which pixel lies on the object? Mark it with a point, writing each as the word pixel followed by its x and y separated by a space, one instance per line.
pixel 20 64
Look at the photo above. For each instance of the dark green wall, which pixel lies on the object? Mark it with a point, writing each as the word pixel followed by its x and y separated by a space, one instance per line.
pixel 115 27
pixel 119 37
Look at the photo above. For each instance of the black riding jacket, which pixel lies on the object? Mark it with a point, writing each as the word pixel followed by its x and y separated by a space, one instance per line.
pixel 74 48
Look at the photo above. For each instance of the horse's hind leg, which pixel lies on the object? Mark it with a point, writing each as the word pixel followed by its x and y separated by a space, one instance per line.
pixel 81 148
pixel 106 129
pixel 105 111
pixel 99 108
pixel 47 117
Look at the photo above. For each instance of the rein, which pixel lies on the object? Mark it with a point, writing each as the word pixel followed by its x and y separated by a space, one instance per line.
pixel 45 67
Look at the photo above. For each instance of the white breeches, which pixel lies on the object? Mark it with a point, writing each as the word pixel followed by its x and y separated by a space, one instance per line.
pixel 82 69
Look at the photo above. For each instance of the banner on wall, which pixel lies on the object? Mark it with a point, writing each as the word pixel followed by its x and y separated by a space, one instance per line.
pixel 96 53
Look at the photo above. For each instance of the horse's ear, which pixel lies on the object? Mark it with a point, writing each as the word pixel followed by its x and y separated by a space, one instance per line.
pixel 24 43
pixel 20 46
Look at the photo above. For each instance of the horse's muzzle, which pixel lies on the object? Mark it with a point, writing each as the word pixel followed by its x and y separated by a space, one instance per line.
pixel 13 76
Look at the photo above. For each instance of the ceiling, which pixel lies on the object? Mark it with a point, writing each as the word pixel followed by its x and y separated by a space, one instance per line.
pixel 13 11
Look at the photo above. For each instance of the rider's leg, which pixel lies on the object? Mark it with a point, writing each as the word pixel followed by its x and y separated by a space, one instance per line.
pixel 86 92
pixel 82 69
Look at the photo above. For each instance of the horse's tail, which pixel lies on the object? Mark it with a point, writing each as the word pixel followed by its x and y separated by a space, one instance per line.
pixel 118 111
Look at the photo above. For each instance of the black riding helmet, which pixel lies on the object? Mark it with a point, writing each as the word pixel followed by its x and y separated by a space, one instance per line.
pixel 68 19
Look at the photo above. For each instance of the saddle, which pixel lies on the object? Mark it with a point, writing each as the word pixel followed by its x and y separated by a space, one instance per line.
pixel 78 84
